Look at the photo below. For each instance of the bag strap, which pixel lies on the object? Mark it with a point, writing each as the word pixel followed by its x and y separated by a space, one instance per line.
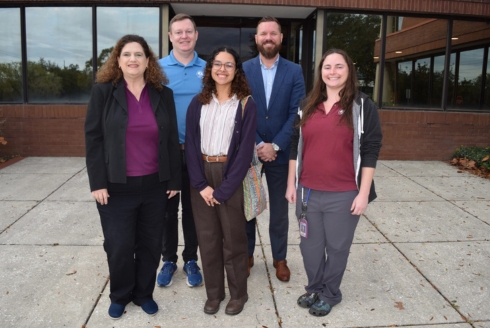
pixel 244 102
pixel 255 158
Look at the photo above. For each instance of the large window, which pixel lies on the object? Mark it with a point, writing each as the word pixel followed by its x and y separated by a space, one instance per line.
pixel 414 66
pixel 59 49
pixel 59 44
pixel 10 56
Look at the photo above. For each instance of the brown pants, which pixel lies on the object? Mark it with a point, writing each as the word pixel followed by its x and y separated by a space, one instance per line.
pixel 222 238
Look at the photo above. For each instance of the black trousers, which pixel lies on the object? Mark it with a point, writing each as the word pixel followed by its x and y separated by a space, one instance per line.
pixel 132 223
pixel 170 240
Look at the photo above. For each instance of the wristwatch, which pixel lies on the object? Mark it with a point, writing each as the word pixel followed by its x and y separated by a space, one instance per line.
pixel 275 147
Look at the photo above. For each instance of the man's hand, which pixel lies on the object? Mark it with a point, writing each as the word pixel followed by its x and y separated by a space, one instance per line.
pixel 266 153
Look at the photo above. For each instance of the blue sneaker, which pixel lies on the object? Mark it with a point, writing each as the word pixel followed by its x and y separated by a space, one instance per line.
pixel 194 277
pixel 164 278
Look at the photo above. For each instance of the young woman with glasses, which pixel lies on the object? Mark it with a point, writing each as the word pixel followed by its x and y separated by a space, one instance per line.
pixel 220 138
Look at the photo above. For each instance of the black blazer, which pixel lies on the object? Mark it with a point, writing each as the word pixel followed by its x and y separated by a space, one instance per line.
pixel 105 135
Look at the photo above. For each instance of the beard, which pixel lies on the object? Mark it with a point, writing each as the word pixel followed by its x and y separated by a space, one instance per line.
pixel 269 53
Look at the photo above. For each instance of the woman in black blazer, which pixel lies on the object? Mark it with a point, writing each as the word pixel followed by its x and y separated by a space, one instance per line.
pixel 133 164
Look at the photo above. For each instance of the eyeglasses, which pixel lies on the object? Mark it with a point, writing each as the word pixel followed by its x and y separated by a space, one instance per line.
pixel 228 66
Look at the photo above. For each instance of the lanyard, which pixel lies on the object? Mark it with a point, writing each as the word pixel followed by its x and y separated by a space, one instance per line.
pixel 303 200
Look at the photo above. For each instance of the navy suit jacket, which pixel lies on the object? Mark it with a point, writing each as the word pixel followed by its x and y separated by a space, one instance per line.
pixel 275 123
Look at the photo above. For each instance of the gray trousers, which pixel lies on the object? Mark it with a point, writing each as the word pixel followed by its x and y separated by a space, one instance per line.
pixel 331 228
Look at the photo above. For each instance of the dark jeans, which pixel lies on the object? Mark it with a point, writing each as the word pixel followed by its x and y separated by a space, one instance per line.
pixel 170 240
pixel 132 225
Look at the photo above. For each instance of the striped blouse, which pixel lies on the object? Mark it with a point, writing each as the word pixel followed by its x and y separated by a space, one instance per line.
pixel 217 122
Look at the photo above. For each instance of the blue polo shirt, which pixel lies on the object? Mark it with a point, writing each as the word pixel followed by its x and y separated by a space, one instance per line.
pixel 185 82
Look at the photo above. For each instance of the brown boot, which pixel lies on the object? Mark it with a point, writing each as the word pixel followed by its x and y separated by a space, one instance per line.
pixel 250 265
pixel 282 270
pixel 236 306
pixel 212 306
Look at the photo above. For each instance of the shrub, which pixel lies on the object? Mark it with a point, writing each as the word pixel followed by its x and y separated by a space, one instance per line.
pixel 481 155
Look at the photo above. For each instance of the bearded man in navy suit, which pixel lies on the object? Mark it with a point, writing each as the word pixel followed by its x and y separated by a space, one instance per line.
pixel 277 88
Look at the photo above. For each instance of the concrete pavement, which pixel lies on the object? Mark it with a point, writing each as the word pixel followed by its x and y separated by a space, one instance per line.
pixel 421 257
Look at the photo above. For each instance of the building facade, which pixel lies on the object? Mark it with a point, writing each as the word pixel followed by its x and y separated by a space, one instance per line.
pixel 424 62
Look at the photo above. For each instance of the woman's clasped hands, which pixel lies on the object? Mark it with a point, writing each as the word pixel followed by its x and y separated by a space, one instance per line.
pixel 207 194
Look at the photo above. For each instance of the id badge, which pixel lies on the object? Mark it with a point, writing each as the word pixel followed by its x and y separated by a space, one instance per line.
pixel 303 228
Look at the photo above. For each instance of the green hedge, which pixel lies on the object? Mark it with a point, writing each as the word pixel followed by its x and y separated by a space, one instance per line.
pixel 480 155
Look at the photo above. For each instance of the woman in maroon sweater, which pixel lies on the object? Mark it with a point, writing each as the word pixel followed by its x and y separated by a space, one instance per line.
pixel 334 149
pixel 133 164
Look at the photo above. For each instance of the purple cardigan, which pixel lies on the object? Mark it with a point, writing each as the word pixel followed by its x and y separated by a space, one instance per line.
pixel 239 154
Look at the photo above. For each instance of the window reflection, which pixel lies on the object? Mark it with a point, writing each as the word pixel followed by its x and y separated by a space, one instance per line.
pixel 113 23
pixel 59 45
pixel 10 56
pixel 421 89
pixel 404 92
pixel 468 42
pixel 248 49
pixel 437 82
pixel 408 42
pixel 467 93
pixel 356 34
pixel 212 37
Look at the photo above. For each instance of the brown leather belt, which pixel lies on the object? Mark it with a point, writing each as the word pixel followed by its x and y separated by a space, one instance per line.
pixel 214 159
pixel 182 146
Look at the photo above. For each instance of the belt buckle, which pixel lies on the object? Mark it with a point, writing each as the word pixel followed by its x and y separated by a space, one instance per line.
pixel 207 158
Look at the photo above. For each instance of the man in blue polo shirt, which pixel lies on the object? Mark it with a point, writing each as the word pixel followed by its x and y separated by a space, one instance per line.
pixel 184 70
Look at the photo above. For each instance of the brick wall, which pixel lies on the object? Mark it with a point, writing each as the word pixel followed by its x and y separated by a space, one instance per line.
pixel 57 130
pixel 417 135
pixel 43 130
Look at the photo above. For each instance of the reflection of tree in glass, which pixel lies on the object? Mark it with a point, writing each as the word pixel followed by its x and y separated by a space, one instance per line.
pixel 420 90
pixel 356 34
pixel 10 82
pixel 49 82
pixel 253 46
pixel 469 92
pixel 104 54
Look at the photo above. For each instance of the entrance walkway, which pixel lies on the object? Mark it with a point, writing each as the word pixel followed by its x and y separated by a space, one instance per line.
pixel 421 257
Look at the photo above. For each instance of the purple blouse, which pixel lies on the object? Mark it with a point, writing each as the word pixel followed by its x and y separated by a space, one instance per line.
pixel 141 136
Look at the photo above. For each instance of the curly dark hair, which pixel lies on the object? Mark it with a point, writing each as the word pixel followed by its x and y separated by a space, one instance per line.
pixel 110 71
pixel 239 85
pixel 319 92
